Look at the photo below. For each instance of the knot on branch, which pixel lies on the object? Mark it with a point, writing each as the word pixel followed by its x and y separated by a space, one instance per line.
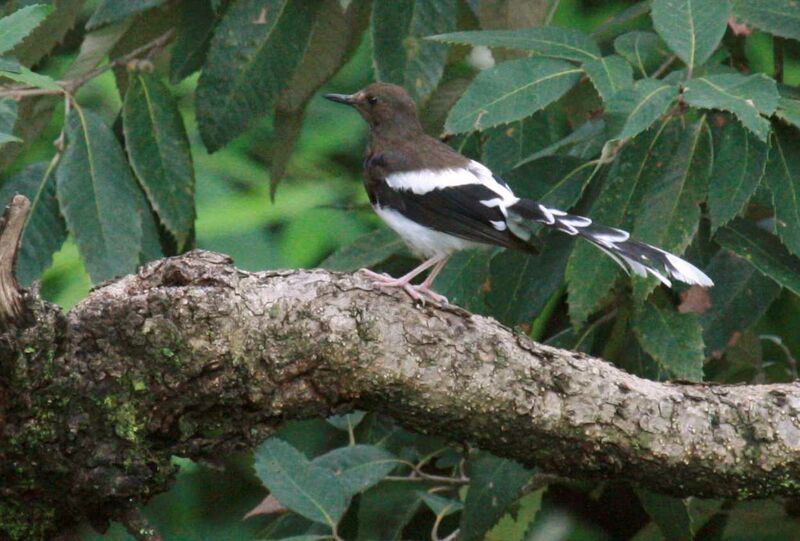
pixel 13 223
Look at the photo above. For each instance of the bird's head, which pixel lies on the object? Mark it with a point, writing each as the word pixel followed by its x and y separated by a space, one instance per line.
pixel 383 106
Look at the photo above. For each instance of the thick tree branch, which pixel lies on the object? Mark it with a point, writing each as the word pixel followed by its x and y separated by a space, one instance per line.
pixel 193 357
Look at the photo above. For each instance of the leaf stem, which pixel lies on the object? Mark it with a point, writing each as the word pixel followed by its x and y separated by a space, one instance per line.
pixel 665 66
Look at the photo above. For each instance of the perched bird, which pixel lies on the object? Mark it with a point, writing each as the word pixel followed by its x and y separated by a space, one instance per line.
pixel 441 202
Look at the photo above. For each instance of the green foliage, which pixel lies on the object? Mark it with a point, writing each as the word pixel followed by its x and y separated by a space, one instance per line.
pixel 660 121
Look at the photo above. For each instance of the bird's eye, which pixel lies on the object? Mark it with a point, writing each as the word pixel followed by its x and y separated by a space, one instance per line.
pixel 372 100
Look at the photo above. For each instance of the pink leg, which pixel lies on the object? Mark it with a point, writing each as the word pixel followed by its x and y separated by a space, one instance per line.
pixel 420 292
pixel 386 280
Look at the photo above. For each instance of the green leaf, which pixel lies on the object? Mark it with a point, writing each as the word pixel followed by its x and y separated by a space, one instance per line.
pixel 464 277
pixel 385 509
pixel 95 46
pixel 789 111
pixel 192 37
pixel 691 28
pixel 783 177
pixel 440 505
pixel 348 421
pixel 644 50
pixel 510 528
pixel 50 32
pixel 510 91
pixel 11 69
pixel 779 17
pixel 504 147
pixel 8 117
pixel 739 163
pixel 15 27
pixel 307 489
pixel 740 296
pixel 633 110
pixel 358 467
pixel 762 250
pixel 743 96
pixel 400 54
pixel 675 341
pixel 590 273
pixel 495 484
pixel 670 212
pixel 98 197
pixel 254 38
pixel 366 251
pixel 550 41
pixel 158 147
pixel 556 181
pixel 670 514
pixel 111 11
pixel 44 231
pixel 522 283
pixel 609 75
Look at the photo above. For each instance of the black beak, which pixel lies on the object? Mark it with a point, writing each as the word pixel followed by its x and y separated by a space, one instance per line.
pixel 348 99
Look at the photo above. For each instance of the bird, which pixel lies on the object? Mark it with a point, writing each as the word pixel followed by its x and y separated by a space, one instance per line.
pixel 441 202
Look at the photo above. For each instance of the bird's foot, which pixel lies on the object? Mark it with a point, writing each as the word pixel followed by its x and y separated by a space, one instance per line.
pixel 422 292
pixel 379 277
pixel 419 293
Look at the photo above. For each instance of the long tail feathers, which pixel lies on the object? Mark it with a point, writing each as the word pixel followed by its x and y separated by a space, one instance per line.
pixel 633 256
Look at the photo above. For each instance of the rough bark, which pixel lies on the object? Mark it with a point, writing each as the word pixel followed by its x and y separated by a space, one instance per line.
pixel 193 357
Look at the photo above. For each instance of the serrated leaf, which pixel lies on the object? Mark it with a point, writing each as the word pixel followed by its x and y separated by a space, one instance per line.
pixel 495 484
pixel 789 111
pixel 670 212
pixel 762 250
pixel 192 37
pixel 504 147
pixel 358 467
pixel 740 296
pixel 584 136
pixel 49 33
pixel 98 197
pixel 254 38
pixel 348 421
pixel 644 50
pixel 511 91
pixel 111 11
pixel 95 46
pixel 44 231
pixel 550 41
pixel 15 27
pixel 609 75
pixel 513 528
pixel 675 341
pixel 739 163
pixel 745 97
pixel 590 273
pixel 691 28
pixel 307 489
pixel 779 17
pixel 158 147
pixel 783 177
pixel 522 283
pixel 366 251
pixel 633 110
pixel 401 55
pixel 440 505
pixel 669 513
pixel 385 509
pixel 463 278
pixel 11 69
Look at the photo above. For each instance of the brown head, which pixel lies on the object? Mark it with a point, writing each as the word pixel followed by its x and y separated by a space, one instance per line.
pixel 386 107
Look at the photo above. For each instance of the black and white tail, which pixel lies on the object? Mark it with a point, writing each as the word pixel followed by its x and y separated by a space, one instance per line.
pixel 636 257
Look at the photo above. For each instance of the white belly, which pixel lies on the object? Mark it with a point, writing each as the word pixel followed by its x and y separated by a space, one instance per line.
pixel 422 241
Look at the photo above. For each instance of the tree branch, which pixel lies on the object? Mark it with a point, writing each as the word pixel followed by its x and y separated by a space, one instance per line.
pixel 193 357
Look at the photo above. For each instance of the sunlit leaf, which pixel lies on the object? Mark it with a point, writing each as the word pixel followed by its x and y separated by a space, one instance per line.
pixel 254 38
pixel 691 28
pixel 609 75
pixel 739 163
pixel 747 97
pixel 675 341
pixel 99 197
pixel 401 55
pixel 762 250
pixel 11 69
pixel 551 41
pixel 512 527
pixel 307 489
pixel 511 91
pixel 15 27
pixel 495 483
